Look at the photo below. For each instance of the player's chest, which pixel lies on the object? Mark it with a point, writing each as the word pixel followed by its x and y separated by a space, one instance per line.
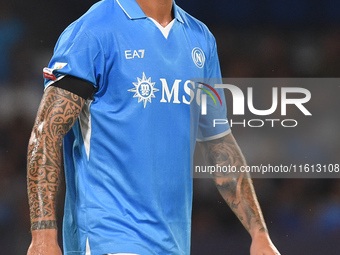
pixel 145 49
pixel 148 69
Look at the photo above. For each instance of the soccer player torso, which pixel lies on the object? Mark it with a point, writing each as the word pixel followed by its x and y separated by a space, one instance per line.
pixel 127 160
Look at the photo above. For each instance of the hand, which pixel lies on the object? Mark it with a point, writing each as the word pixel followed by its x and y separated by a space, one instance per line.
pixel 44 249
pixel 262 245
pixel 44 242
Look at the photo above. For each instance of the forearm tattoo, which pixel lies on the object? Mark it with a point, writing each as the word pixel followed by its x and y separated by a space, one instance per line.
pixel 236 188
pixel 58 111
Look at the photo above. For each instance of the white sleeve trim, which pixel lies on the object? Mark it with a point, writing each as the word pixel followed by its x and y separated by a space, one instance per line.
pixel 88 249
pixel 54 81
pixel 86 126
pixel 214 137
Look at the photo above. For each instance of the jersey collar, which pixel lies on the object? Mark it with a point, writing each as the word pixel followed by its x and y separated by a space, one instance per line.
pixel 133 11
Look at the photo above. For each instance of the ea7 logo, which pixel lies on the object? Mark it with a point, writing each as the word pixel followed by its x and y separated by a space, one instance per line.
pixel 131 54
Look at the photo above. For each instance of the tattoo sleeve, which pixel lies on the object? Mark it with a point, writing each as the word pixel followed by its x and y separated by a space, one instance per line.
pixel 58 111
pixel 236 188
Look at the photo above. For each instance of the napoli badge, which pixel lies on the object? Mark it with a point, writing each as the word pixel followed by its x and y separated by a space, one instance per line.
pixel 198 57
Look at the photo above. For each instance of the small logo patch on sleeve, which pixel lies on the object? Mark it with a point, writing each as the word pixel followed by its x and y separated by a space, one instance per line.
pixel 48 74
pixel 59 65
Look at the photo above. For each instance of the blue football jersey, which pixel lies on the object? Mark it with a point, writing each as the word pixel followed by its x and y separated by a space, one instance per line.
pixel 127 158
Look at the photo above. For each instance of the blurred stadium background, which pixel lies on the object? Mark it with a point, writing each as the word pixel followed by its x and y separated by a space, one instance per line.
pixel 276 38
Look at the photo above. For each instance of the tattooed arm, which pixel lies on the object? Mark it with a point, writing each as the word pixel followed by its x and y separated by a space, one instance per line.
pixel 238 191
pixel 58 111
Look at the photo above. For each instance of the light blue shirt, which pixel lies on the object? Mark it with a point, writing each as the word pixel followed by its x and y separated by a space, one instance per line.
pixel 127 159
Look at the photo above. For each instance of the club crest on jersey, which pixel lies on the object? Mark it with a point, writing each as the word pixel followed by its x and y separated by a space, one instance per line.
pixel 198 57
pixel 144 89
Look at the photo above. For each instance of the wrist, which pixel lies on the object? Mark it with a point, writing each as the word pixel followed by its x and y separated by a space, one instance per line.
pixel 44 235
pixel 44 224
pixel 259 234
pixel 44 231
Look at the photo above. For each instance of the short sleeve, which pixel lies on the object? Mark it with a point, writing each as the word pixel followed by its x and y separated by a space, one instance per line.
pixel 214 124
pixel 77 53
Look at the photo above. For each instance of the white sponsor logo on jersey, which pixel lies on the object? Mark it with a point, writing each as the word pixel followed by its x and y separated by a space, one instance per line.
pixel 175 92
pixel 144 89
